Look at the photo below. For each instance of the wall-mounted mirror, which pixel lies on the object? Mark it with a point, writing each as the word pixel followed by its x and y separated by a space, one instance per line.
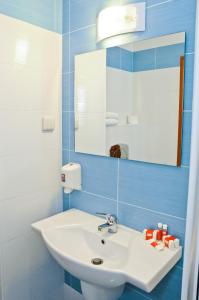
pixel 129 100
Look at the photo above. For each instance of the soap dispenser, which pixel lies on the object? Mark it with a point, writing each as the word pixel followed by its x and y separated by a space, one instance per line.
pixel 71 177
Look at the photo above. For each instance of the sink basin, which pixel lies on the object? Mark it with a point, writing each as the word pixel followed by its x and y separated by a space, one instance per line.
pixel 104 262
pixel 81 247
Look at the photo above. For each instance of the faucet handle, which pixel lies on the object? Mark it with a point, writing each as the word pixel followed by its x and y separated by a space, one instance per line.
pixel 103 215
pixel 111 219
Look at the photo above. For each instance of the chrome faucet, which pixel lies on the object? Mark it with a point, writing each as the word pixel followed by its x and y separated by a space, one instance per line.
pixel 111 223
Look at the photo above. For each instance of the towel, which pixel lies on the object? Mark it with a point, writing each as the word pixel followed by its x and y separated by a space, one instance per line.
pixel 112 115
pixel 111 122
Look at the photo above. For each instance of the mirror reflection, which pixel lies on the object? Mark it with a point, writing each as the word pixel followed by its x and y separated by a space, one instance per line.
pixel 129 98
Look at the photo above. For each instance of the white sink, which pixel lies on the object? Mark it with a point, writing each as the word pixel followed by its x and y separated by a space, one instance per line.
pixel 73 240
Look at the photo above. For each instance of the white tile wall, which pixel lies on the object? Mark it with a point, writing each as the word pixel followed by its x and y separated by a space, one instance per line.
pixel 90 102
pixel 142 101
pixel 157 130
pixel 30 68
pixel 119 100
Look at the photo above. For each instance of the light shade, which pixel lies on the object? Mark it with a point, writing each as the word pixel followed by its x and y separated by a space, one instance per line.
pixel 120 19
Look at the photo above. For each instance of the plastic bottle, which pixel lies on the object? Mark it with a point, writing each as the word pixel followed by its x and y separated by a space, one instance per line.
pixel 159 232
pixel 164 230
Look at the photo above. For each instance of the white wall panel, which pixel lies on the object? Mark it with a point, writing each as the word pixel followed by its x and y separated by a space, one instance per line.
pixel 152 97
pixel 155 137
pixel 30 72
pixel 90 102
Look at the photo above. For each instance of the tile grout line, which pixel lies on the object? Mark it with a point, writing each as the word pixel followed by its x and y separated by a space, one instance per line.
pixel 185 167
pixel 55 16
pixel 190 53
pixel 67 73
pixel 153 211
pixel 160 3
pixel 132 205
pixel 80 28
pixel 99 196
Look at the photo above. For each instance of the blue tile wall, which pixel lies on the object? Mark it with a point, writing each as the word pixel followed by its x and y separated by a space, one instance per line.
pixel 144 60
pixel 126 60
pixel 165 188
pixel 169 56
pixel 119 58
pixel 114 57
pixel 158 58
pixel 99 174
pixel 189 64
pixel 150 59
pixel 140 194
pixel 66 19
pixel 45 13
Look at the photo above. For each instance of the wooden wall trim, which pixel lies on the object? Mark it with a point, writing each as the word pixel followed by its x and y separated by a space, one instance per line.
pixel 181 96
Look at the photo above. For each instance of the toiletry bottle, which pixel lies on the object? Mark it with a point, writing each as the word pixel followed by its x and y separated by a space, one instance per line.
pixel 164 230
pixel 148 234
pixel 171 242
pixel 155 235
pixel 159 231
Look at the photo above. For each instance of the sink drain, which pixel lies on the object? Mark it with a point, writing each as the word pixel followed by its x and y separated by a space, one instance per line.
pixel 97 261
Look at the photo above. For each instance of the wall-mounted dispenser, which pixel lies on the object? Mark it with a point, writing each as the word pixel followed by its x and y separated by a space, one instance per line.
pixel 71 177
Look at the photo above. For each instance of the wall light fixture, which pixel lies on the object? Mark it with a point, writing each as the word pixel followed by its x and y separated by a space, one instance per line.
pixel 116 20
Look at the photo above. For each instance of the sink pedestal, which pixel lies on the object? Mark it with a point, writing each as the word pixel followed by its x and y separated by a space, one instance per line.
pixel 91 291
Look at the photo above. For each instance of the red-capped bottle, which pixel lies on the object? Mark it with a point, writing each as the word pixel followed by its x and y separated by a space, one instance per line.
pixel 164 230
pixel 159 232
